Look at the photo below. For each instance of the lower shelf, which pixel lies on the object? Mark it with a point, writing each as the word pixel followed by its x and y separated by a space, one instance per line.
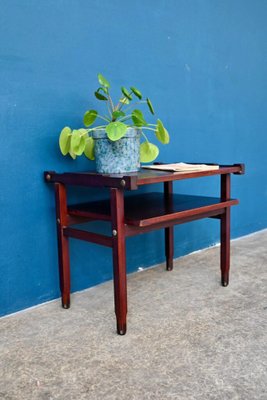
pixel 154 208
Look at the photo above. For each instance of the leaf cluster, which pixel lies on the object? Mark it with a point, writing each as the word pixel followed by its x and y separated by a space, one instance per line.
pixel 119 117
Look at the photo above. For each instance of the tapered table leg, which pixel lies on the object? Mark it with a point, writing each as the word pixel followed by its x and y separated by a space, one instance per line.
pixel 169 232
pixel 169 248
pixel 225 247
pixel 63 244
pixel 225 231
pixel 119 259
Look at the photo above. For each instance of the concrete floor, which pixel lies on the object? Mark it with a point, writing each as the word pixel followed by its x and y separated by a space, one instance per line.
pixel 188 337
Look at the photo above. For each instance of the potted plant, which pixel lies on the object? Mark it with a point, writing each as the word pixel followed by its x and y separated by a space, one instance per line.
pixel 115 144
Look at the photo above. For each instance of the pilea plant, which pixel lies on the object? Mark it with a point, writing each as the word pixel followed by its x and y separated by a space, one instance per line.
pixel 118 119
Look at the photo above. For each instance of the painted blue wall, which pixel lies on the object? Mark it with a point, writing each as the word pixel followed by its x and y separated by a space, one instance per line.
pixel 202 62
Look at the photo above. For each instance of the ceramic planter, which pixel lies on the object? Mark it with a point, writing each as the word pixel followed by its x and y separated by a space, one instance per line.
pixel 114 157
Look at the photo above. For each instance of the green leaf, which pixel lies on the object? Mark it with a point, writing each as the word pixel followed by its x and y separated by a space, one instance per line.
pixel 77 143
pixel 89 150
pixel 136 92
pixel 150 106
pixel 64 140
pixel 100 96
pixel 89 117
pixel 73 156
pixel 117 114
pixel 162 133
pixel 104 89
pixel 126 93
pixel 124 100
pixel 103 81
pixel 138 118
pixel 148 152
pixel 116 130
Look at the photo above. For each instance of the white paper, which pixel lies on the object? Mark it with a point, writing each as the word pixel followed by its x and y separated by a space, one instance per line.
pixel 182 167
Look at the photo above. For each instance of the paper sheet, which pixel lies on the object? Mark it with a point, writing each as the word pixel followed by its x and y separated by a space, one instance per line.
pixel 182 167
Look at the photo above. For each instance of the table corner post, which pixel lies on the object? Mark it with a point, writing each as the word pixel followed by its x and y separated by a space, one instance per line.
pixel 241 169
pixel 48 176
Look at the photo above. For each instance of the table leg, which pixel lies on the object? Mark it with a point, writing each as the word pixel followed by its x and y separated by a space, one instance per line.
pixel 169 232
pixel 119 259
pixel 225 231
pixel 63 244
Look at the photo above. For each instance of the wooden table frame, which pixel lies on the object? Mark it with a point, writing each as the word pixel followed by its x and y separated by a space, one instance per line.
pixel 130 223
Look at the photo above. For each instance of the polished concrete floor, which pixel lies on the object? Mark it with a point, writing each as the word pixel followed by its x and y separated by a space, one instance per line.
pixel 188 338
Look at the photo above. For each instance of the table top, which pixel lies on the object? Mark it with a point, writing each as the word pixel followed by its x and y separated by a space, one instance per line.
pixel 131 181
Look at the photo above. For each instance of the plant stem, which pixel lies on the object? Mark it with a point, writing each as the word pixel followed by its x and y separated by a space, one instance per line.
pixel 95 129
pixel 124 118
pixel 133 104
pixel 105 119
pixel 111 102
pixel 120 105
pixel 85 133
pixel 117 106
pixel 150 129
pixel 110 113
pixel 144 136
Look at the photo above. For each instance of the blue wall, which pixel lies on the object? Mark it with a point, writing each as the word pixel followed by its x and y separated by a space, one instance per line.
pixel 202 62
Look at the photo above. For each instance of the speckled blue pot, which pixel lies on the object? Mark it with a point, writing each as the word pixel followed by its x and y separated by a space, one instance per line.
pixel 117 157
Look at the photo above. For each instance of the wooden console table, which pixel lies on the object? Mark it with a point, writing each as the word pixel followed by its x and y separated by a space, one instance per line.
pixel 134 215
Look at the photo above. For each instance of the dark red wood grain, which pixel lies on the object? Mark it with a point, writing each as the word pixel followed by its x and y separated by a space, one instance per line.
pixel 133 180
pixel 169 231
pixel 63 244
pixel 153 208
pixel 225 230
pixel 119 258
pixel 88 236
pixel 134 215
pixel 132 230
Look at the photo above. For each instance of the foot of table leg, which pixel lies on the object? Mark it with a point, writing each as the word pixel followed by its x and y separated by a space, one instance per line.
pixel 169 264
pixel 121 329
pixel 65 301
pixel 224 282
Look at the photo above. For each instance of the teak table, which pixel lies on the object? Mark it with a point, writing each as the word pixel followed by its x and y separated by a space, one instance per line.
pixel 134 215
